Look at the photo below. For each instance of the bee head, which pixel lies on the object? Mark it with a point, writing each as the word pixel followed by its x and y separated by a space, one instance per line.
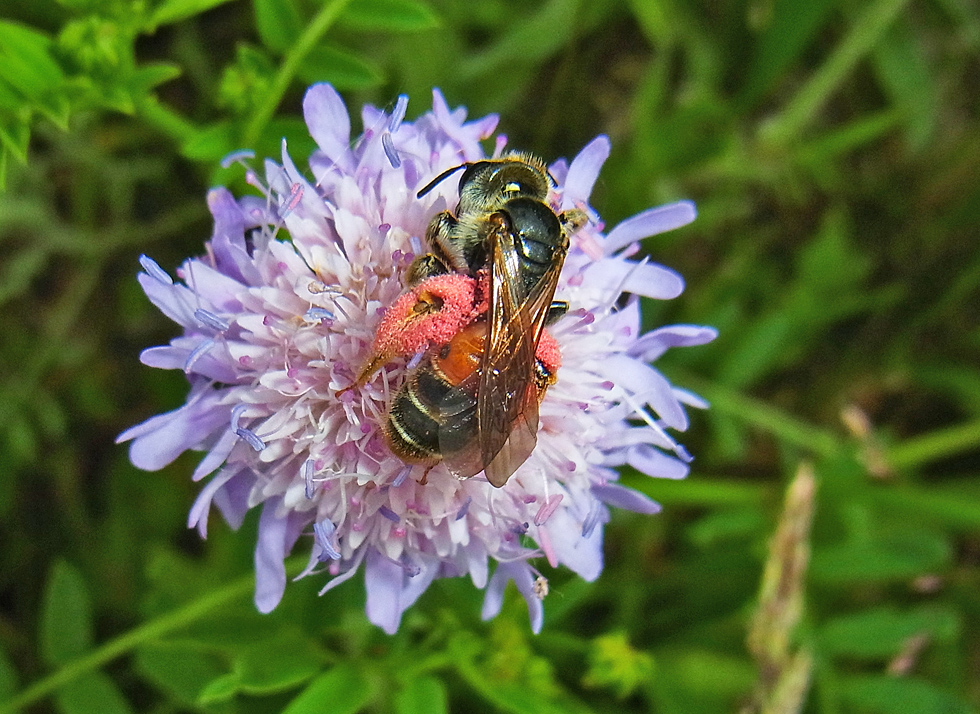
pixel 485 185
pixel 488 184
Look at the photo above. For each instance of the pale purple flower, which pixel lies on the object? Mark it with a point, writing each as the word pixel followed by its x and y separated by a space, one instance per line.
pixel 280 313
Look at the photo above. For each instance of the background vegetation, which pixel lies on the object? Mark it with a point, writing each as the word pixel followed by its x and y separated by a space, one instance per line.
pixel 832 149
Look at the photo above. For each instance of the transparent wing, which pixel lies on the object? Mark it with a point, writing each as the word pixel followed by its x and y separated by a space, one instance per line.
pixel 506 394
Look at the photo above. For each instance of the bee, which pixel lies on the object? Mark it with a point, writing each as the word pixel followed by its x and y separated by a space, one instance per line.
pixel 472 401
pixel 515 184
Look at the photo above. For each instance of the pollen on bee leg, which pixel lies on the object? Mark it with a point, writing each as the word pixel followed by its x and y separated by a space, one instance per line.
pixel 429 314
pixel 548 352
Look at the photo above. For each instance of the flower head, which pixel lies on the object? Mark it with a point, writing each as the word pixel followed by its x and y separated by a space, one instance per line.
pixel 280 315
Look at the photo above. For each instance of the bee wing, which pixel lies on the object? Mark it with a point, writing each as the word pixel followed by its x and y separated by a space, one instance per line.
pixel 506 395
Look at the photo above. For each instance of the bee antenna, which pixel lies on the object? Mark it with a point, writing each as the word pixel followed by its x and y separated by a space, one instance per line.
pixel 439 179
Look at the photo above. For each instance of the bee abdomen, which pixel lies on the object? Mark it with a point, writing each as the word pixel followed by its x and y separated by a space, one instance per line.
pixel 412 431
pixel 428 417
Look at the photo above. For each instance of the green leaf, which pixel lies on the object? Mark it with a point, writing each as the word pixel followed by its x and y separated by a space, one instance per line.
pixel 56 108
pixel 66 617
pixel 10 100
pixel 731 524
pixel 615 664
pixel 211 143
pixel 26 62
pixel 789 31
pixel 389 15
pixel 905 74
pixel 15 136
pixel 181 671
pixel 275 665
pixel 881 633
pixel 150 75
pixel 761 347
pixel 343 70
pixel 171 11
pixel 887 695
pixel 92 693
pixel 8 677
pixel 422 695
pixel 342 690
pixel 858 133
pixel 230 630
pixel 956 508
pixel 522 44
pixel 896 556
pixel 219 690
pixel 507 695
pixel 278 22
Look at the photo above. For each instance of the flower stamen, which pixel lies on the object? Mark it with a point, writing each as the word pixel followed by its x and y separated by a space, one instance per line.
pixel 154 270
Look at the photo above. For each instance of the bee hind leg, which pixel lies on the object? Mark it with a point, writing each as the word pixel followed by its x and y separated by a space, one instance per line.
pixel 556 312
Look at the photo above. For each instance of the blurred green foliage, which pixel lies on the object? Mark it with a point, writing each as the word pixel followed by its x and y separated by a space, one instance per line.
pixel 833 150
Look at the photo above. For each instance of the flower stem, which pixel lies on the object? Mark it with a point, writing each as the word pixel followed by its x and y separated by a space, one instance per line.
pixel 934 445
pixel 864 33
pixel 127 642
pixel 778 423
pixel 318 27
pixel 171 123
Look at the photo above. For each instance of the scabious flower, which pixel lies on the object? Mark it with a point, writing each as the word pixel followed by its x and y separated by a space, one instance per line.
pixel 279 316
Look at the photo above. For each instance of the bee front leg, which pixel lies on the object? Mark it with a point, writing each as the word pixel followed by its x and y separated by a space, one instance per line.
pixel 443 240
pixel 437 261
pixel 423 267
pixel 573 219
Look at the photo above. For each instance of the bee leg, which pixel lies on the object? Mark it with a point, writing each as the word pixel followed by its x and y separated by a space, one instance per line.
pixel 556 312
pixel 376 362
pixel 423 267
pixel 573 219
pixel 439 260
pixel 441 237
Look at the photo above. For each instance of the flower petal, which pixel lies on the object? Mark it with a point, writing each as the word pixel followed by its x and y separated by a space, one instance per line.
pixel 655 463
pixel 198 516
pixel 383 579
pixel 583 172
pixel 277 534
pixel 582 554
pixel 329 123
pixel 650 222
pixel 653 281
pixel 520 573
pixel 654 343
pixel 161 439
pixel 646 384
pixel 613 494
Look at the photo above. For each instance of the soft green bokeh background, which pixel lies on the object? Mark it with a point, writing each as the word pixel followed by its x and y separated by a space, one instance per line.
pixel 832 149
